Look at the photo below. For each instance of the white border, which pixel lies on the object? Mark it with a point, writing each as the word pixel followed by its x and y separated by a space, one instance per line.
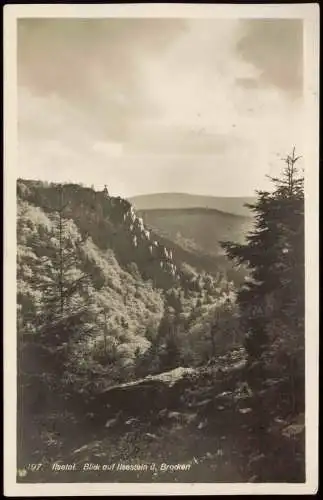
pixel 310 14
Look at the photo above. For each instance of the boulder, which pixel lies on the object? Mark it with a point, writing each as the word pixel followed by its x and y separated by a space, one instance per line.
pixel 111 422
pixel 146 395
pixel 293 430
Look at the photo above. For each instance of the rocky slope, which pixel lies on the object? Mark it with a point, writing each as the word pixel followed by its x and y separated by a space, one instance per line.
pixel 201 425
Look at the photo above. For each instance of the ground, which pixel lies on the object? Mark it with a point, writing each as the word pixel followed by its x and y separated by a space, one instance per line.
pixel 210 433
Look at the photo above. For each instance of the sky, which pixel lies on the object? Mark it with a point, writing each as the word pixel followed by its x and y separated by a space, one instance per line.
pixel 200 106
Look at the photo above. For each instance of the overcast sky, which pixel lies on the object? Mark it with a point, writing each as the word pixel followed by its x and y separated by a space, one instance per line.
pixel 159 105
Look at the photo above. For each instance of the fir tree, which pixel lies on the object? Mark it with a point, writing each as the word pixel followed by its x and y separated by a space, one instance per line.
pixel 272 298
pixel 62 278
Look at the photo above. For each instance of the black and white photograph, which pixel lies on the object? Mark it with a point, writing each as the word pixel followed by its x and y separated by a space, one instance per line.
pixel 162 276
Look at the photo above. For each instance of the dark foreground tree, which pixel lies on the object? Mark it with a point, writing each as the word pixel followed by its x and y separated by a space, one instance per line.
pixel 271 300
pixel 50 320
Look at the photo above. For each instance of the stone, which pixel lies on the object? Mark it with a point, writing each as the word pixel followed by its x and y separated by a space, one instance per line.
pixel 131 421
pixel 174 415
pixel 80 449
pixel 245 410
pixel 202 403
pixel 111 422
pixel 154 392
pixel 152 436
pixel 253 479
pixel 256 458
pixel 293 430
pixel 189 417
pixel 202 424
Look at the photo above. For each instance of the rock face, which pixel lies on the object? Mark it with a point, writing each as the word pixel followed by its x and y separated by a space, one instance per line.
pixel 149 394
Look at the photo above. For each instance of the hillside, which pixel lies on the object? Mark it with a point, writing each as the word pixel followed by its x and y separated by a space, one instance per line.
pixel 101 299
pixel 231 205
pixel 198 230
pixel 128 277
pixel 130 349
pixel 157 255
pixel 112 224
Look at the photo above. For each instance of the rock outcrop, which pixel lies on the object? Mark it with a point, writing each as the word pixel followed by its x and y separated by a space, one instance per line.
pixel 146 395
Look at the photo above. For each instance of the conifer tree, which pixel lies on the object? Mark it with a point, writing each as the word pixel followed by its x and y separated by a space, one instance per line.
pixel 60 278
pixel 271 300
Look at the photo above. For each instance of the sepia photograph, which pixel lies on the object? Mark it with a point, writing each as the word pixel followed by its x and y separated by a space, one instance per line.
pixel 161 166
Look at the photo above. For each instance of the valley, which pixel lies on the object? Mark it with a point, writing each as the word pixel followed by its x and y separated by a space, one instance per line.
pixel 131 348
pixel 198 230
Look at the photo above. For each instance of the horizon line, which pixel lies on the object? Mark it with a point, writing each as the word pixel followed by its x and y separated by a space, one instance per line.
pixel 156 193
pixel 190 194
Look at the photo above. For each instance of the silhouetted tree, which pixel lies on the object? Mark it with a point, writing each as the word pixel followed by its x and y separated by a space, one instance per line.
pixel 274 254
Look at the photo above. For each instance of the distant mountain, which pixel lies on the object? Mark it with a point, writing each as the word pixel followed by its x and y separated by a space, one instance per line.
pixel 197 230
pixel 231 205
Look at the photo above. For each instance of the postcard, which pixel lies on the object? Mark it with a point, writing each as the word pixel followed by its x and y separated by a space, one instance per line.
pixel 161 249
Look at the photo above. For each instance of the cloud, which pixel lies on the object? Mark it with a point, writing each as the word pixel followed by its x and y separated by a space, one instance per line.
pixel 93 64
pixel 247 83
pixel 197 84
pixel 275 47
pixel 155 105
pixel 164 139
pixel 42 117
pixel 108 148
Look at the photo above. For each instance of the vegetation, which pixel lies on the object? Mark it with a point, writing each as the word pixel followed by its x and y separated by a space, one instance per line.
pixel 198 229
pixel 105 309
pixel 271 301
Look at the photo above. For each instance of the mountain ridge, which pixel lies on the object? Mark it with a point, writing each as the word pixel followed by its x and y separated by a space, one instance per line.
pixel 192 210
pixel 197 230
pixel 230 204
pixel 128 232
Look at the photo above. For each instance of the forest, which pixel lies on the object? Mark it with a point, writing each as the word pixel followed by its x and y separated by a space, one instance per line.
pixel 130 349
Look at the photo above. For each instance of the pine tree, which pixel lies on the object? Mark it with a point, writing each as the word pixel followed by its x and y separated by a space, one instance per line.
pixel 272 298
pixel 60 278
